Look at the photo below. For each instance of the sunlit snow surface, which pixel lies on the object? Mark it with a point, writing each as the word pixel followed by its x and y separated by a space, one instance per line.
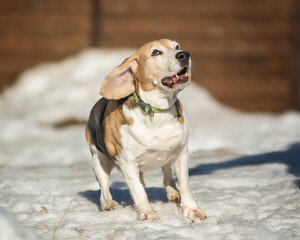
pixel 244 168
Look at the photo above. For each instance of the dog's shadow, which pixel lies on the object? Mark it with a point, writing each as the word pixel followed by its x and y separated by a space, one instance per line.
pixel 122 195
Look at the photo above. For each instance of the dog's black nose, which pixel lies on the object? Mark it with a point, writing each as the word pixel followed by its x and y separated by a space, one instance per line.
pixel 183 57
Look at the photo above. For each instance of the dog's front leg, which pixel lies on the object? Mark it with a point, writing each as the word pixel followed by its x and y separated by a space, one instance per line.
pixel 188 204
pixel 138 193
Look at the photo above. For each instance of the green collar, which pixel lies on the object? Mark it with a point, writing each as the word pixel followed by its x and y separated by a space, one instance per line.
pixel 147 108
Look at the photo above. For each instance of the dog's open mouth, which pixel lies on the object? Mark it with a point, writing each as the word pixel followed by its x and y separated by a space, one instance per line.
pixel 181 77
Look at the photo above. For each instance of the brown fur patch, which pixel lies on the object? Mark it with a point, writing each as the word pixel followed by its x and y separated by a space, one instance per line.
pixel 144 77
pixel 179 112
pixel 113 121
pixel 130 103
pixel 137 84
pixel 88 135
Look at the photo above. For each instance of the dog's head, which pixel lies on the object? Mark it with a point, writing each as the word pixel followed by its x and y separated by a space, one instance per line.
pixel 156 65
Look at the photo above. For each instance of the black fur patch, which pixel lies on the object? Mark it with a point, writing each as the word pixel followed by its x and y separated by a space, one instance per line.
pixel 96 124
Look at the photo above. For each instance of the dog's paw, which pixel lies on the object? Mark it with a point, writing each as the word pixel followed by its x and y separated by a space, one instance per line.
pixel 174 197
pixel 148 215
pixel 193 213
pixel 109 205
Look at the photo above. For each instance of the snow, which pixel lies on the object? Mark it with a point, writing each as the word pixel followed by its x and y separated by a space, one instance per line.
pixel 244 168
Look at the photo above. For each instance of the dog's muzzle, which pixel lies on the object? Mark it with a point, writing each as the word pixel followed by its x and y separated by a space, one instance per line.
pixel 181 77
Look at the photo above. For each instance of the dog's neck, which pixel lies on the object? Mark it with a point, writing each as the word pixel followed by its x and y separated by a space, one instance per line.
pixel 158 98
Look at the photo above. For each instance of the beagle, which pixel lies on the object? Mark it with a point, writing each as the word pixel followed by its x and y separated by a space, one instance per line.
pixel 139 125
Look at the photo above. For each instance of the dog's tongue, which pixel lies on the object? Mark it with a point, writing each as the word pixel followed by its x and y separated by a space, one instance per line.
pixel 175 80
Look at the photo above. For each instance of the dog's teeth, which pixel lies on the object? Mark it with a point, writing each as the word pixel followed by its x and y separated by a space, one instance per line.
pixel 176 76
pixel 186 74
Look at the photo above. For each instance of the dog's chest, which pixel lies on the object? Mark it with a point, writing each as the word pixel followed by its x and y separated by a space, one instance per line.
pixel 153 141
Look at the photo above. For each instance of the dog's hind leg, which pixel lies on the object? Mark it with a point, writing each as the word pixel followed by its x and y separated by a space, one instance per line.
pixel 172 194
pixel 102 168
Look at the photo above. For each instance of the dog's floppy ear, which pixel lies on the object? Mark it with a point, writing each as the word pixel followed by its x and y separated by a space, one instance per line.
pixel 119 83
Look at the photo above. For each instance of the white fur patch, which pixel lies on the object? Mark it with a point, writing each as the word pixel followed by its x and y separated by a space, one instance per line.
pixel 151 142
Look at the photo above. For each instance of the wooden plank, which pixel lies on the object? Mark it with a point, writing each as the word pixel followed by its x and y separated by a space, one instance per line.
pixel 14 12
pixel 199 6
pixel 252 100
pixel 96 28
pixel 42 42
pixel 265 14
pixel 212 26
pixel 258 105
pixel 201 14
pixel 236 64
pixel 248 85
pixel 22 60
pixel 295 58
pixel 29 5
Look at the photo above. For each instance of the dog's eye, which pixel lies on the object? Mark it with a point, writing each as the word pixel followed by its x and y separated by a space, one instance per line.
pixel 177 47
pixel 156 52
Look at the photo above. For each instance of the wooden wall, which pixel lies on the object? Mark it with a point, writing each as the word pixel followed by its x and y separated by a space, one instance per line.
pixel 36 31
pixel 244 52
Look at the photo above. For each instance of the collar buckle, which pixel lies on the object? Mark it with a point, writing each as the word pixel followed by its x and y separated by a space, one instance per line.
pixel 150 111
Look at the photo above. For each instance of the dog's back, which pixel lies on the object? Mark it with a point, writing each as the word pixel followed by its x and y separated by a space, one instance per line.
pixel 95 125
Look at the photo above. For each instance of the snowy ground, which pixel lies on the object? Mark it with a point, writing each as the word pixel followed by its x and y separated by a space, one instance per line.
pixel 244 168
